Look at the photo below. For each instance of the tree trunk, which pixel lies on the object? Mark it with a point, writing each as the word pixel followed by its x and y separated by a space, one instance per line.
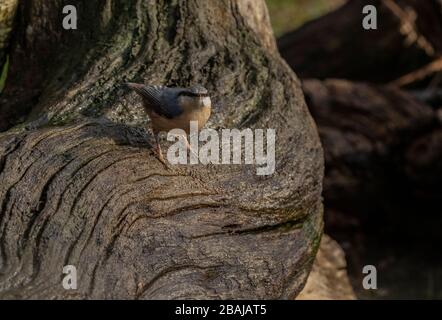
pixel 90 193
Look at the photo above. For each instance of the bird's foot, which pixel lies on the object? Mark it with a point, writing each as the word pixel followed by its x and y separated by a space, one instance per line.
pixel 160 157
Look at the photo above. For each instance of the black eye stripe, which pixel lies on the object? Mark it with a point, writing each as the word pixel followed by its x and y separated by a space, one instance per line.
pixel 191 94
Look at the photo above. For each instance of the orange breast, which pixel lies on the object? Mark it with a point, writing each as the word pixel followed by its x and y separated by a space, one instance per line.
pixel 181 122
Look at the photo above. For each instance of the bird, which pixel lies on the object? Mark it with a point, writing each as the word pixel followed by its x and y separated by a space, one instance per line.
pixel 173 108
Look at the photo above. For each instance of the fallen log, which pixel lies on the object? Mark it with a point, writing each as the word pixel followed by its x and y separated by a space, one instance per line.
pixel 371 136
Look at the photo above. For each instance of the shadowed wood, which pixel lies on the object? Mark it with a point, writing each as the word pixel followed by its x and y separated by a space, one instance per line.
pixel 408 37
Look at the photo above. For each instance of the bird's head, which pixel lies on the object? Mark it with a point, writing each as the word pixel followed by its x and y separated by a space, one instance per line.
pixel 199 90
pixel 197 96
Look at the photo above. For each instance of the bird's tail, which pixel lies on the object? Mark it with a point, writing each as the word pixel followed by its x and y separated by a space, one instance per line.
pixel 138 88
pixel 134 86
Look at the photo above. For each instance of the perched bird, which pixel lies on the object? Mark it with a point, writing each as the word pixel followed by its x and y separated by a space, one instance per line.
pixel 174 108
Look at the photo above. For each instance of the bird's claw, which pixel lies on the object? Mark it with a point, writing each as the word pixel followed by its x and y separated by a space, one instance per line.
pixel 160 157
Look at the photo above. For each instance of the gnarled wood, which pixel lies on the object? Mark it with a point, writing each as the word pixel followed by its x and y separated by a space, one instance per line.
pixel 91 194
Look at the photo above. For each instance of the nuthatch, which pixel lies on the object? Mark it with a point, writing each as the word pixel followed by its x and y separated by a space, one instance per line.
pixel 174 108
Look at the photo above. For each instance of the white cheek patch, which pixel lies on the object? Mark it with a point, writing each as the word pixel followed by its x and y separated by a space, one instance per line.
pixel 207 102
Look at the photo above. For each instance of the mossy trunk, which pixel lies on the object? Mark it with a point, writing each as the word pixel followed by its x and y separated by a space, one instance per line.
pixel 80 185
pixel 7 14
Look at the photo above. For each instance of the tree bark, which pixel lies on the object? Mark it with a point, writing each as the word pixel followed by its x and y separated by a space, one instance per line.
pixel 90 193
pixel 328 279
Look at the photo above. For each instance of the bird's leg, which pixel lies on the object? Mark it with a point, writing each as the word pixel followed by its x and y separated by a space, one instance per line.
pixel 189 147
pixel 158 149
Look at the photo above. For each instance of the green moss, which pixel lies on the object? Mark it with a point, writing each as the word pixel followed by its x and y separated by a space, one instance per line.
pixel 59 121
pixel 287 15
pixel 4 74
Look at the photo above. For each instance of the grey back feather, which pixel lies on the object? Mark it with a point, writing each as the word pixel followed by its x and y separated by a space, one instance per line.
pixel 162 100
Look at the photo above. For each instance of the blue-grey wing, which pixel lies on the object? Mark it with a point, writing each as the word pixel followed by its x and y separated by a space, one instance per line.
pixel 161 100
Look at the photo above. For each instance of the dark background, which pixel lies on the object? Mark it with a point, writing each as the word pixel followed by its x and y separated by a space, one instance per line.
pixel 389 217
